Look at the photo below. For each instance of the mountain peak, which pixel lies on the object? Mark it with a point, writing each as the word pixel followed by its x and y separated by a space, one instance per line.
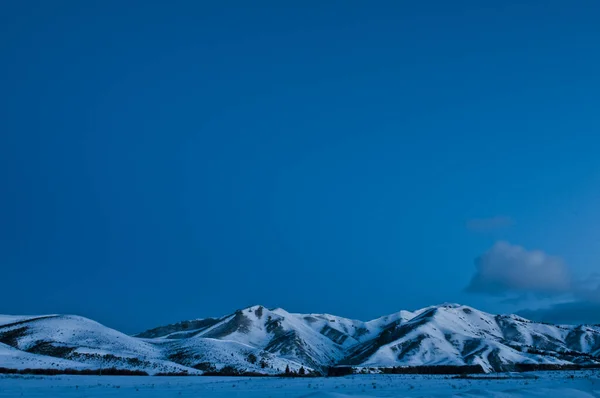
pixel 257 339
pixel 449 305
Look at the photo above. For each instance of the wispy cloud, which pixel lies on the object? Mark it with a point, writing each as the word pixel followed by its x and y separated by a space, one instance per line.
pixel 489 224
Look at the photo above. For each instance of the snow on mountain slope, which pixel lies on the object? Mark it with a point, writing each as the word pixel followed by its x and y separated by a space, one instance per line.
pixel 348 332
pixel 81 340
pixel 74 331
pixel 208 354
pixel 459 335
pixel 289 336
pixel 179 330
pixel 257 339
pixel 9 319
pixel 13 358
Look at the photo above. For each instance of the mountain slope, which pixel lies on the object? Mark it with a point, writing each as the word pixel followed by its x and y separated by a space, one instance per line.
pixel 257 339
pixel 77 342
pixel 460 335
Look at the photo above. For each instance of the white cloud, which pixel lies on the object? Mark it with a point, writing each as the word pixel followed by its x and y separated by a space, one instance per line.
pixel 507 268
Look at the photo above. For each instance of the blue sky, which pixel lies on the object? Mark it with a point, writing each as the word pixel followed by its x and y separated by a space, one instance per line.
pixel 162 161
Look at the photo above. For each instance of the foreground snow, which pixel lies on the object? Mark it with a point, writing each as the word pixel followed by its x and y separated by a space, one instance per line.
pixel 543 384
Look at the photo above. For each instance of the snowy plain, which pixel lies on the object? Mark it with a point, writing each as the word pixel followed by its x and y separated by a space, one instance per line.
pixel 562 384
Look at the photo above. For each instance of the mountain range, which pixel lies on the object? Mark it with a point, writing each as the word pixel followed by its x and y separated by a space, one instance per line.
pixel 268 341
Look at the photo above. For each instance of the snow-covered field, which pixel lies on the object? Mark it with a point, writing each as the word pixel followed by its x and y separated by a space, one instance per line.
pixel 542 384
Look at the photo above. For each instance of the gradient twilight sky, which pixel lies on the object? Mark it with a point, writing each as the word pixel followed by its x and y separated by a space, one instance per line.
pixel 168 160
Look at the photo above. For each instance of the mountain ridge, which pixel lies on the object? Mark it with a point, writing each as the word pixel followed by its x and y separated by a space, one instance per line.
pixel 261 340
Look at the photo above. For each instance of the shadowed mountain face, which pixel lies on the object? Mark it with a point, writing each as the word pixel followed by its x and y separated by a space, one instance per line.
pixel 257 339
pixel 179 330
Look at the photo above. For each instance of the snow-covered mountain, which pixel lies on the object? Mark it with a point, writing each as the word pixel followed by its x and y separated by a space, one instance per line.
pixel 257 339
pixel 459 335
pixel 74 342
